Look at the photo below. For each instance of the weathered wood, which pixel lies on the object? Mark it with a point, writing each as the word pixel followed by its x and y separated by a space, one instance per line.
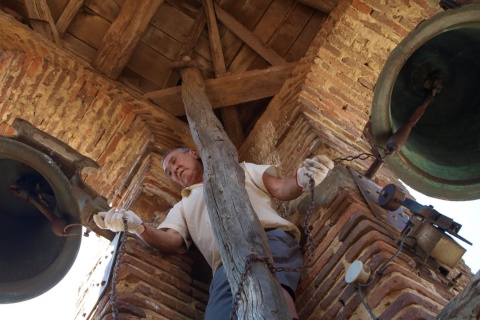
pixel 123 36
pixel 229 90
pixel 67 16
pixel 249 37
pixel 323 5
pixel 236 227
pixel 215 44
pixel 465 305
pixel 41 20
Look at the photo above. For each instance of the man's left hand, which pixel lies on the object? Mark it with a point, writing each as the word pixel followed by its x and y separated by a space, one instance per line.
pixel 316 168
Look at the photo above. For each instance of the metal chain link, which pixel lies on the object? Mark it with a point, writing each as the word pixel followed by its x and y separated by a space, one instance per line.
pixel 361 156
pixel 255 257
pixel 116 268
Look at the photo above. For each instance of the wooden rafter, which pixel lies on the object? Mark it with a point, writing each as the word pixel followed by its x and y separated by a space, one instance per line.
pixel 68 14
pixel 41 19
pixel 123 36
pixel 229 90
pixel 249 37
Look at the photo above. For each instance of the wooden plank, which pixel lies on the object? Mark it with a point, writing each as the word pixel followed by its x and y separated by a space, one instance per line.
pixel 173 22
pixel 123 36
pixel 89 28
pixel 249 37
pixel 41 20
pixel 162 43
pixel 302 43
pixel 229 90
pixel 215 44
pixel 235 225
pixel 290 28
pixel 150 64
pixel 323 5
pixel 67 16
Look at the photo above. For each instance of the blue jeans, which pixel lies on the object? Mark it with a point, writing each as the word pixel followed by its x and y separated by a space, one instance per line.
pixel 286 252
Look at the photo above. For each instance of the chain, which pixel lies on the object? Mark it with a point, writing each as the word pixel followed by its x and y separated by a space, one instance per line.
pixel 116 268
pixel 361 156
pixel 255 257
pixel 308 217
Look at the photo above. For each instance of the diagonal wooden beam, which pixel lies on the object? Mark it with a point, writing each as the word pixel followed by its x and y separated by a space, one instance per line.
pixel 322 5
pixel 214 36
pixel 123 36
pixel 229 90
pixel 41 20
pixel 68 14
pixel 187 48
pixel 249 37
pixel 230 117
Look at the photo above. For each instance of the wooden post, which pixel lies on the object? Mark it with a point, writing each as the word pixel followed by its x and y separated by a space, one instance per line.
pixel 466 304
pixel 235 225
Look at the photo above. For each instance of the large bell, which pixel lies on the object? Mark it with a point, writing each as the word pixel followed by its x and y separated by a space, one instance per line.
pixel 441 156
pixel 43 205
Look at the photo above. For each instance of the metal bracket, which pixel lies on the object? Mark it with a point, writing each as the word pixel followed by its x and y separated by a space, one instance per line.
pixel 370 191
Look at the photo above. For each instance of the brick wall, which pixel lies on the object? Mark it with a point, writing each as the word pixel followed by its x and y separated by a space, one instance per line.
pixel 323 108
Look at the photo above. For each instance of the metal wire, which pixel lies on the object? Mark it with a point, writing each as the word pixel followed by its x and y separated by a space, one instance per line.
pixel 377 274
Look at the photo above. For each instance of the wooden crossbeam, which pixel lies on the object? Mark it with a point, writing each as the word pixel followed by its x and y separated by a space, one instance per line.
pixel 229 90
pixel 123 36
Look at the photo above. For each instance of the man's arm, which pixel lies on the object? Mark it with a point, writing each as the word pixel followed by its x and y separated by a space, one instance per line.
pixel 166 241
pixel 281 189
pixel 291 188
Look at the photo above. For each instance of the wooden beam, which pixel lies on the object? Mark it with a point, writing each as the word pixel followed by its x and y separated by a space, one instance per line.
pixel 322 5
pixel 214 37
pixel 230 117
pixel 187 48
pixel 249 37
pixel 235 225
pixel 41 20
pixel 228 90
pixel 466 304
pixel 68 14
pixel 123 36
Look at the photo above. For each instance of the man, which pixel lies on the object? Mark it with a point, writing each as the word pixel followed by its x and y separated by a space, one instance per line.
pixel 188 221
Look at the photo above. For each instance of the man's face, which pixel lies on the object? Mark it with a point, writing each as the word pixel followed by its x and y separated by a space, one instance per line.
pixel 184 167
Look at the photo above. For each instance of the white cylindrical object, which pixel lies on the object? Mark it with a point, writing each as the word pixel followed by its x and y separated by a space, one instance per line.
pixel 357 273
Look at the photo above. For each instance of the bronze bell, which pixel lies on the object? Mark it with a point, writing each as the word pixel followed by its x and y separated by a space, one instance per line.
pixel 428 95
pixel 43 205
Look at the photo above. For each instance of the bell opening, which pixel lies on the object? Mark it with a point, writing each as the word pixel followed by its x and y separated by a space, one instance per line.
pixel 28 246
pixel 440 156
pixel 445 142
pixel 33 259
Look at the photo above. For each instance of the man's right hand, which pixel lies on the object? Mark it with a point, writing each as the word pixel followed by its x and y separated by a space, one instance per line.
pixel 113 220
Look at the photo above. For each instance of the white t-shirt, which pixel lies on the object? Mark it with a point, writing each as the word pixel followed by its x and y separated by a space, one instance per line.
pixel 189 217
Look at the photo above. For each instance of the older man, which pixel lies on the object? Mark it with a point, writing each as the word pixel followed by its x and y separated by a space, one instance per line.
pixel 188 221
